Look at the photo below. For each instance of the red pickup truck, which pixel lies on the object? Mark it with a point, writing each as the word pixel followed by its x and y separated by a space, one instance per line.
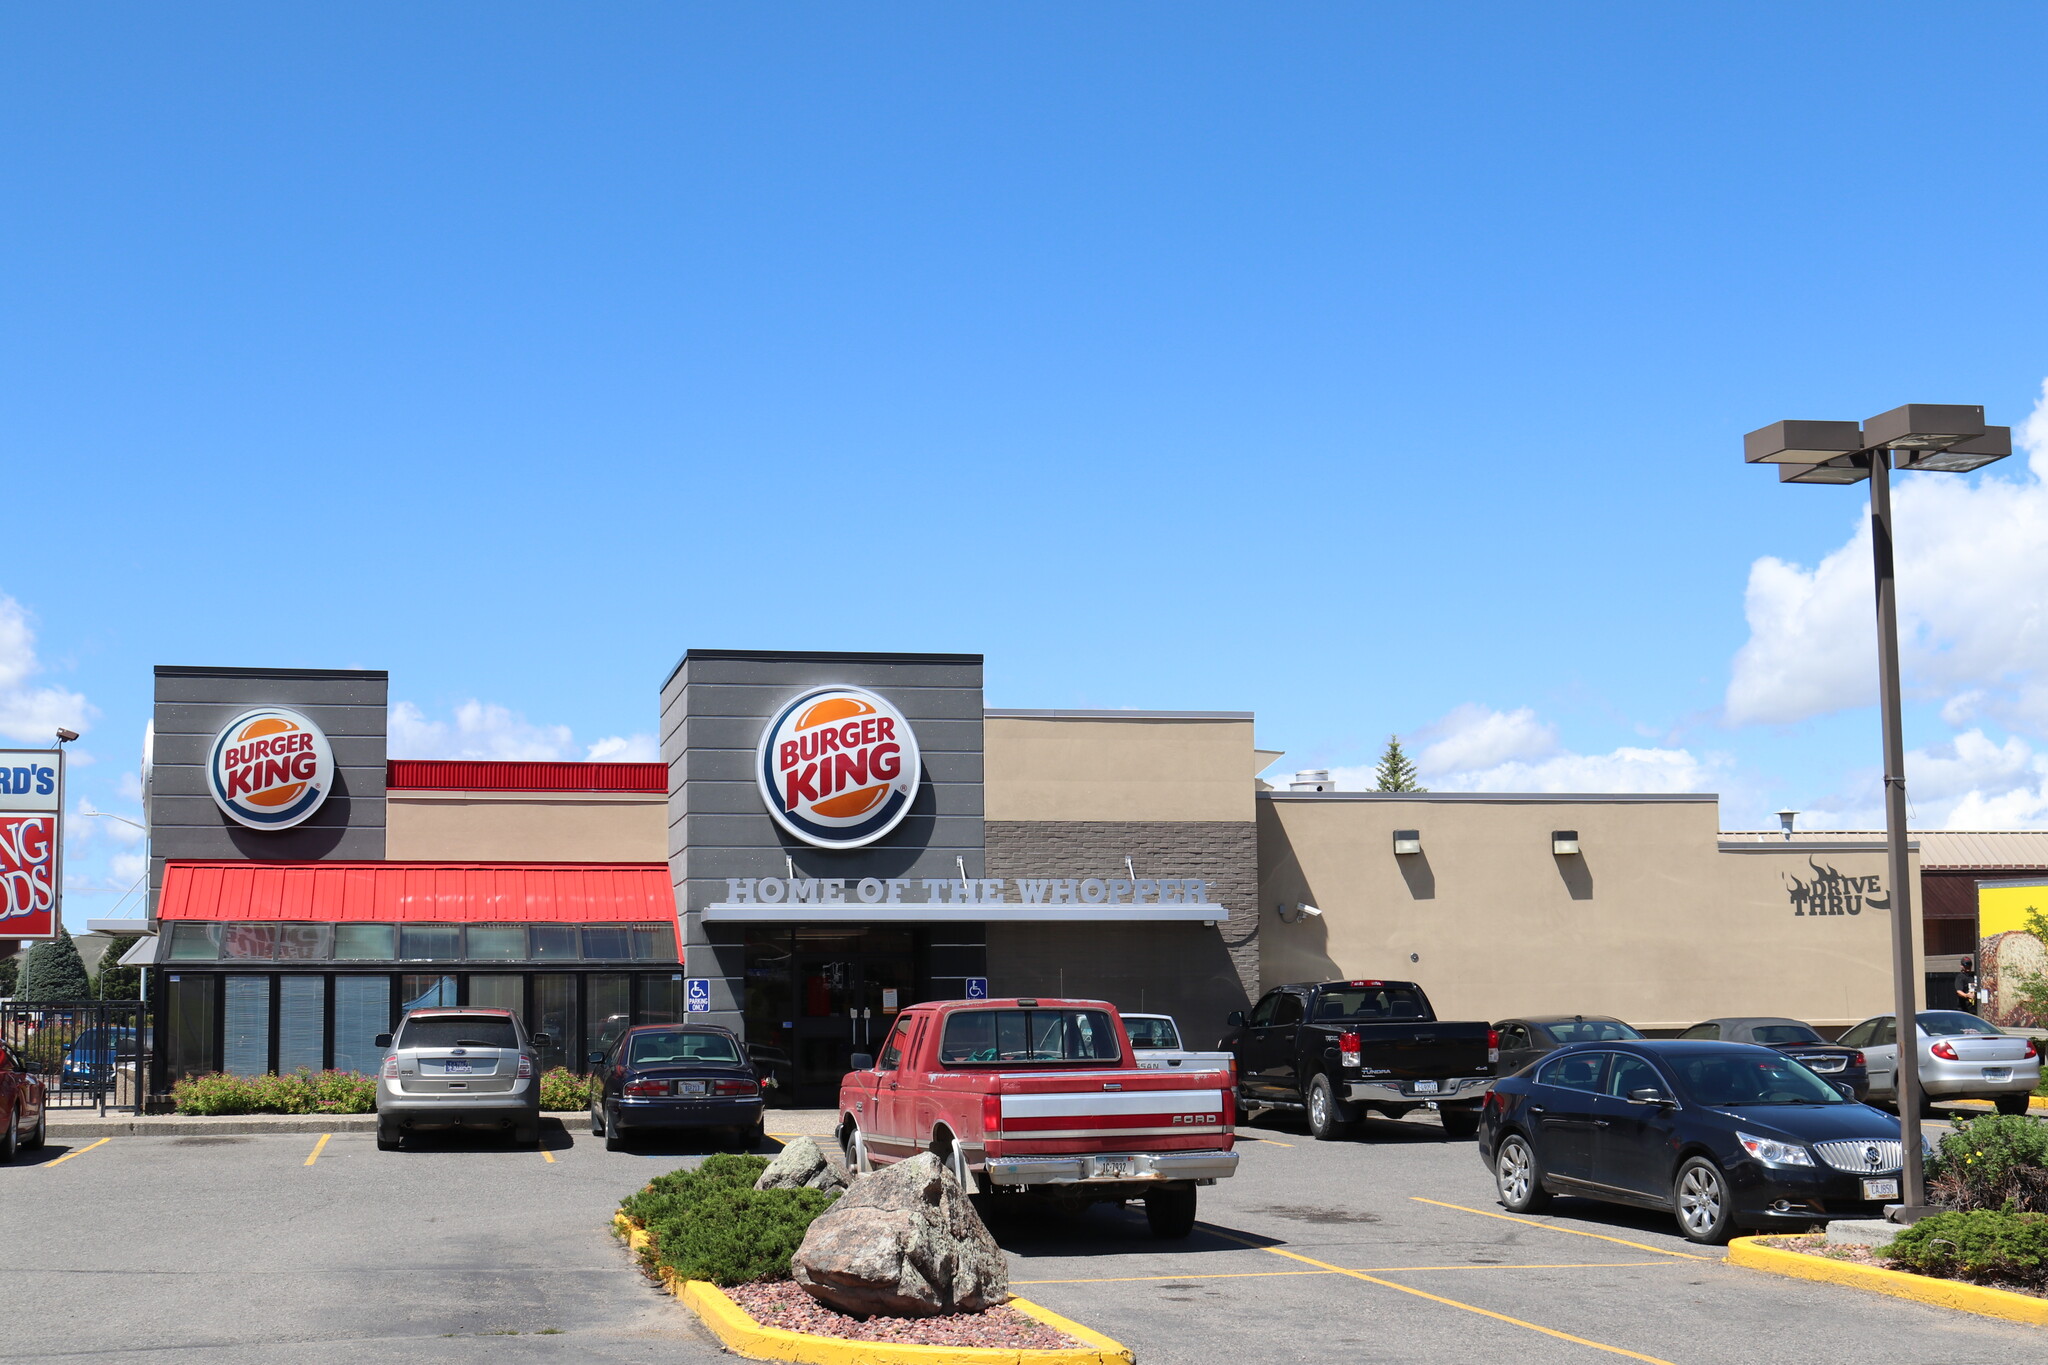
pixel 1043 1097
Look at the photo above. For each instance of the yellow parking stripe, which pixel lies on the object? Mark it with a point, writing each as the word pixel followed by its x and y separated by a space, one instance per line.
pixel 80 1152
pixel 317 1147
pixel 547 1156
pixel 1363 1270
pixel 1448 1303
pixel 1552 1227
pixel 1133 1279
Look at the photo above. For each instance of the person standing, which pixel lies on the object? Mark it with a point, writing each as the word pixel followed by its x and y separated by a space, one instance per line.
pixel 1966 987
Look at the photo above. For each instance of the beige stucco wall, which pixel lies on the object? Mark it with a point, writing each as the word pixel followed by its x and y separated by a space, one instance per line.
pixel 1066 768
pixel 1651 923
pixel 542 827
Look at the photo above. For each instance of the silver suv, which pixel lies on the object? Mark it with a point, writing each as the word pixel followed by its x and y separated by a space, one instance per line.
pixel 459 1068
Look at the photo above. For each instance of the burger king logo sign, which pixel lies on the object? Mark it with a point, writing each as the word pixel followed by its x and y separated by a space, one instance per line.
pixel 838 767
pixel 270 768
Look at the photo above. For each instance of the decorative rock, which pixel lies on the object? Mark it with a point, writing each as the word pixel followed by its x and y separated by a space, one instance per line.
pixel 903 1241
pixel 801 1165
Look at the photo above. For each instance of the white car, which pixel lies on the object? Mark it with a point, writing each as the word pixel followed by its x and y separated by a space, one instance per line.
pixel 1155 1040
pixel 1961 1058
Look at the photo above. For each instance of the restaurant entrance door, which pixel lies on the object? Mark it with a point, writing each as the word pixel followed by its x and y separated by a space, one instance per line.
pixel 839 992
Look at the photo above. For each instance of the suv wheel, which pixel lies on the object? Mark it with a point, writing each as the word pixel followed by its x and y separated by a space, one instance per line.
pixel 1329 1118
pixel 389 1136
pixel 1706 1211
pixel 1518 1175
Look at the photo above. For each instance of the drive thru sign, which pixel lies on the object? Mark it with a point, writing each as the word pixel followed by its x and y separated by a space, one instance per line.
pixel 31 842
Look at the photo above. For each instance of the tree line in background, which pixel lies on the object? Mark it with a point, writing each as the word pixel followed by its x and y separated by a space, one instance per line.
pixel 55 971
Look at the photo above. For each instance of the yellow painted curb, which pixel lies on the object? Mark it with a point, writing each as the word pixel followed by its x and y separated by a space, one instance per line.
pixel 2037 1104
pixel 1967 1298
pixel 742 1335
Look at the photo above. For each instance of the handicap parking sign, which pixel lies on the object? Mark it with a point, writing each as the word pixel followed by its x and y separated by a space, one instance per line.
pixel 697 995
pixel 977 988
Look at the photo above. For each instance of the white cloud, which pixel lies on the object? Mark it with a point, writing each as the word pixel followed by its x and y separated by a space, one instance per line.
pixel 28 713
pixel 485 730
pixel 1472 736
pixel 1475 748
pixel 1972 559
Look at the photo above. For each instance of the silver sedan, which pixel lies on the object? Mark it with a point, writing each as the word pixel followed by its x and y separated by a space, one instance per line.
pixel 1961 1058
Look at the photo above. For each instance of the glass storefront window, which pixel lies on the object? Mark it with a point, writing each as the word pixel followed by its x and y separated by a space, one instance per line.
pixel 365 943
pixel 554 1013
pixel 188 1020
pixel 248 942
pixel 605 943
pixel 654 942
pixel 661 998
pixel 362 1010
pixel 552 942
pixel 245 1041
pixel 771 995
pixel 303 942
pixel 429 942
pixel 496 943
pixel 607 1009
pixel 301 1022
pixel 194 942
pixel 422 992
pixel 498 992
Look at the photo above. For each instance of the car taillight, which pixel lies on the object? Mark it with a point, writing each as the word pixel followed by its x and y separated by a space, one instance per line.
pixel 391 1067
pixel 1493 1045
pixel 1944 1050
pixel 1229 1110
pixel 644 1088
pixel 991 1115
pixel 1857 1060
pixel 735 1088
pixel 2031 1051
pixel 525 1068
pixel 1347 1048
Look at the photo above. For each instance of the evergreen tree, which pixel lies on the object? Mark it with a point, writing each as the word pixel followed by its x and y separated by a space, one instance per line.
pixel 115 982
pixel 55 972
pixel 1396 773
pixel 10 973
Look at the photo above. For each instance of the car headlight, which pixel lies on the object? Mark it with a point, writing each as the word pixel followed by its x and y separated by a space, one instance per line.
pixel 1772 1152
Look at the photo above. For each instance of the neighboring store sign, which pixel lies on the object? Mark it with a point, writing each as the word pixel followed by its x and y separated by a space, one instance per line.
pixel 697 995
pixel 31 842
pixel 270 768
pixel 1829 892
pixel 838 767
pixel 970 891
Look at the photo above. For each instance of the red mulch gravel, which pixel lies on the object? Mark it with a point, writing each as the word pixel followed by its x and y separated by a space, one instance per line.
pixel 784 1304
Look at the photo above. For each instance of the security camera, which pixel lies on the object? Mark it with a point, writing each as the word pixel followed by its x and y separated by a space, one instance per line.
pixel 65 736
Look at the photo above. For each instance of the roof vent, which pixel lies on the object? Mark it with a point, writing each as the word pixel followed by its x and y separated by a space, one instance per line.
pixel 1312 780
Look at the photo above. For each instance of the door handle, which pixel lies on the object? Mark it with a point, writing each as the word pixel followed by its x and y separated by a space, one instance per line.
pixel 1602 1123
pixel 1538 1109
pixel 892 1085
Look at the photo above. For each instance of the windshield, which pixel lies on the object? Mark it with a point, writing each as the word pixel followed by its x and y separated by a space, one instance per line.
pixel 1953 1024
pixel 457 1030
pixel 1151 1035
pixel 1334 1003
pixel 1028 1036
pixel 1724 1080
pixel 1591 1031
pixel 676 1045
pixel 1772 1035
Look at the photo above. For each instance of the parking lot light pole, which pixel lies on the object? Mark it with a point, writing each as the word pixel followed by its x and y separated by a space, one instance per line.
pixel 1936 437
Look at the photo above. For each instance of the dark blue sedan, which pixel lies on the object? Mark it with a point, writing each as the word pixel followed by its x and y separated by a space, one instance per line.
pixel 672 1076
pixel 1725 1136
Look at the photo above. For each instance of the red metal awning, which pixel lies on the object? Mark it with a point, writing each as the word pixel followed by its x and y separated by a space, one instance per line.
pixel 558 893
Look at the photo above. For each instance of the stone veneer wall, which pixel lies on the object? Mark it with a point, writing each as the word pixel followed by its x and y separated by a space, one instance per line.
pixel 1197 973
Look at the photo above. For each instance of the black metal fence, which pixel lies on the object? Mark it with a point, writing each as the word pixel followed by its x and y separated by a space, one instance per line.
pixel 93 1054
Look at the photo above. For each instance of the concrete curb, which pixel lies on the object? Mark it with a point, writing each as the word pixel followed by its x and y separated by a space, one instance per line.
pixel 244 1125
pixel 1966 1298
pixel 742 1335
pixel 2036 1105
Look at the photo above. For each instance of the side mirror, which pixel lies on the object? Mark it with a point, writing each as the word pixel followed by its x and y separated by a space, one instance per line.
pixel 597 1059
pixel 382 1040
pixel 1235 1019
pixel 1649 1094
pixel 862 1061
pixel 1846 1090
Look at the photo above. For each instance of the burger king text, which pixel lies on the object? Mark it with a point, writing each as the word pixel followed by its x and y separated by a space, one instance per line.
pixel 264 763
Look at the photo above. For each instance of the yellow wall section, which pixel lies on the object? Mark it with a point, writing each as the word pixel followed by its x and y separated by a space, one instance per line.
pixel 1061 768
pixel 535 827
pixel 2004 908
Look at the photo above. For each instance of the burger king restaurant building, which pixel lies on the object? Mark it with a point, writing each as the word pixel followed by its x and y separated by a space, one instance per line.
pixel 832 837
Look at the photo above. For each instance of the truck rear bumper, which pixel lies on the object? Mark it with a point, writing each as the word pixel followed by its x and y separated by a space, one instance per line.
pixel 1109 1168
pixel 1394 1092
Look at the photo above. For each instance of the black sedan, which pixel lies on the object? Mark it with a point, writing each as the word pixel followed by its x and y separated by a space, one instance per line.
pixel 1524 1040
pixel 1724 1135
pixel 673 1076
pixel 1825 1059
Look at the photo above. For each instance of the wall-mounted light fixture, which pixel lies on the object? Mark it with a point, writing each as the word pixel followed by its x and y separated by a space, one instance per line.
pixel 1564 842
pixel 1295 912
pixel 1407 841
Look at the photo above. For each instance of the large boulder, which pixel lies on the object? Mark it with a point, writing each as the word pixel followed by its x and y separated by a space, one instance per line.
pixel 802 1165
pixel 906 1242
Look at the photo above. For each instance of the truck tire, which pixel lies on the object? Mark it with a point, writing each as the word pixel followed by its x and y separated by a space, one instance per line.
pixel 856 1149
pixel 1518 1175
pixel 1329 1118
pixel 1460 1122
pixel 1171 1211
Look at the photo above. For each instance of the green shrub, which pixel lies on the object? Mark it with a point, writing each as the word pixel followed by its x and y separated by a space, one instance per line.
pixel 1981 1246
pixel 735 1235
pixel 563 1089
pixel 684 1189
pixel 297 1092
pixel 1996 1161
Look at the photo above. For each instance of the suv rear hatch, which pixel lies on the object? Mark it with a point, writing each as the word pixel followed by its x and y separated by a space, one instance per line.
pixel 457 1054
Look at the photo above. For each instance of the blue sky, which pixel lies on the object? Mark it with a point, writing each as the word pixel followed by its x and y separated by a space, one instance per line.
pixel 1373 370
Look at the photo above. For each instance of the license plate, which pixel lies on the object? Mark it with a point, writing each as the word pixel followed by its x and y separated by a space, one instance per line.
pixel 689 1087
pixel 1113 1167
pixel 453 1068
pixel 1425 1087
pixel 1997 1073
pixel 1880 1189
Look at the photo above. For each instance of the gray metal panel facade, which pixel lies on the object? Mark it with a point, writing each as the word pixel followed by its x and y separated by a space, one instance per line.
pixel 192 704
pixel 713 708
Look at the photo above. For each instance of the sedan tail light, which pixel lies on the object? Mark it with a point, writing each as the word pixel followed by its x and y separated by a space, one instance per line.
pixel 735 1088
pixel 1857 1060
pixel 1348 1048
pixel 646 1088
pixel 1944 1050
pixel 2031 1052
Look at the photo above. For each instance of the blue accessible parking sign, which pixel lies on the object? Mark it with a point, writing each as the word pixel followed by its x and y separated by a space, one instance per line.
pixel 977 988
pixel 697 995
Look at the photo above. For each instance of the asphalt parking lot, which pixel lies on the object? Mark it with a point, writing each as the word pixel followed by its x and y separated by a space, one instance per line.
pixel 1386 1248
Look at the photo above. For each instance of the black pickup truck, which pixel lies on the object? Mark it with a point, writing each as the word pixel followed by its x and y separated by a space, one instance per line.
pixel 1341 1047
